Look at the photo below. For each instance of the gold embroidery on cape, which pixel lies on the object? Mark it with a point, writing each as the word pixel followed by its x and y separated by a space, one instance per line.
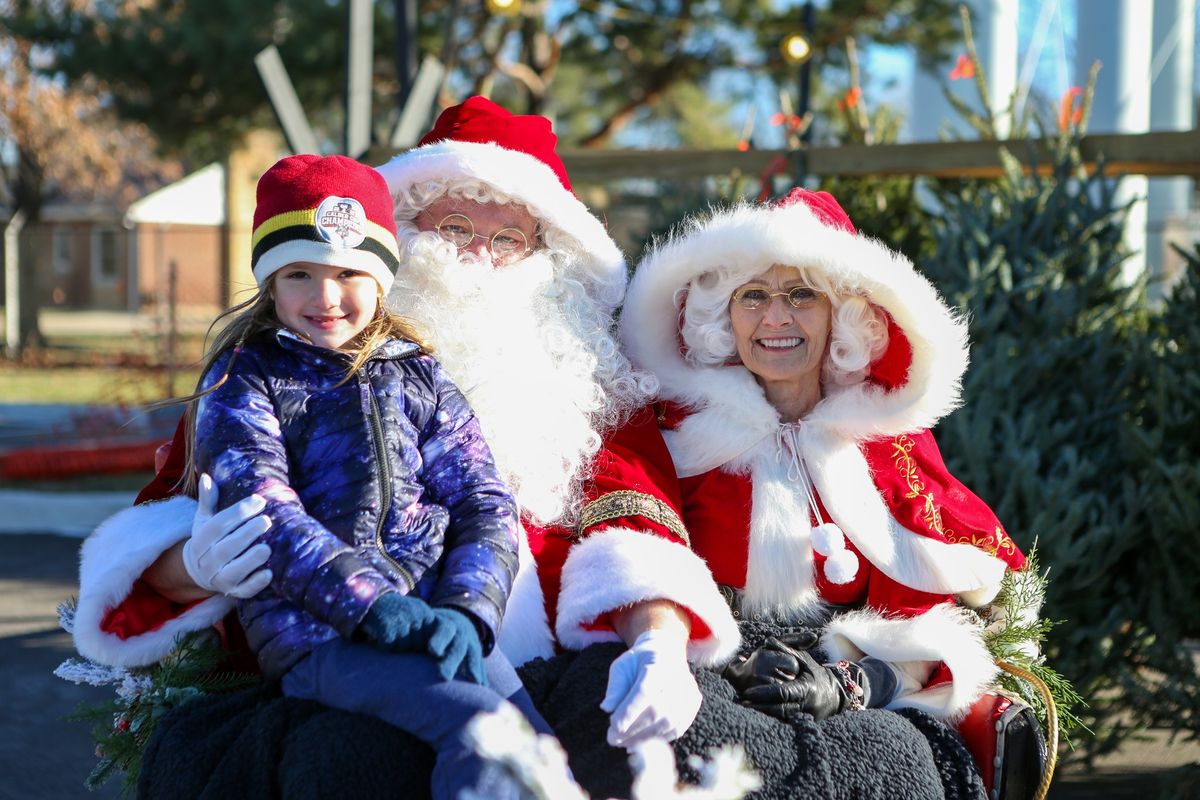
pixel 628 503
pixel 991 544
pixel 901 447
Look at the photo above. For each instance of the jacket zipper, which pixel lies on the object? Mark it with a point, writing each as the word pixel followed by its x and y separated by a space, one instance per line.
pixel 383 473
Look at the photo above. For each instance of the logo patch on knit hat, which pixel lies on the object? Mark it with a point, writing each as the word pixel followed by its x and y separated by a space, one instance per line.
pixel 341 221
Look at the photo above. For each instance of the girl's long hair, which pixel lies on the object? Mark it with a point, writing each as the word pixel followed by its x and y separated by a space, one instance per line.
pixel 256 316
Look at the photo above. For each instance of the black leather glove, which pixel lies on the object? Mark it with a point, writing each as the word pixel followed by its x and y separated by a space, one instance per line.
pixel 772 662
pixel 784 682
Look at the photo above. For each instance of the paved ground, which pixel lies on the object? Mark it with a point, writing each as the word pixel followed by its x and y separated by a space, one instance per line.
pixel 44 756
pixel 41 754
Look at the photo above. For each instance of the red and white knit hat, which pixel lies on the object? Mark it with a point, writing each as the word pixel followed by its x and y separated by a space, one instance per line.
pixel 478 140
pixel 326 210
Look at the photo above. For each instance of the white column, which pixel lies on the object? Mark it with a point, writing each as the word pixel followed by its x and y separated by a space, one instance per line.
pixel 1118 34
pixel 1172 108
pixel 994 25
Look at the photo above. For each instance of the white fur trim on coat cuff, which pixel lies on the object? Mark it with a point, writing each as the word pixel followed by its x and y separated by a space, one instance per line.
pixel 116 555
pixel 943 633
pixel 620 567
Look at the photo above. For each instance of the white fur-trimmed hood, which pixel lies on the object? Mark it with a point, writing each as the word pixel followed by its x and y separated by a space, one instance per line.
pixel 534 184
pixel 752 238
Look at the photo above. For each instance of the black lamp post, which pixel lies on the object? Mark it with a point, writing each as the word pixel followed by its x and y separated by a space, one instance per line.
pixel 405 48
pixel 806 68
pixel 797 49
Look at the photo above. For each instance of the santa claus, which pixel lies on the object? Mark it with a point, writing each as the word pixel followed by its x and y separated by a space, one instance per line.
pixel 514 283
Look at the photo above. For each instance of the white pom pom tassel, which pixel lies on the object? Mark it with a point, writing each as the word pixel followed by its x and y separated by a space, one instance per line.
pixel 827 539
pixel 841 567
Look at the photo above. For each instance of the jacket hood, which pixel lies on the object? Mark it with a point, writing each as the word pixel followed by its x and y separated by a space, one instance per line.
pixel 910 387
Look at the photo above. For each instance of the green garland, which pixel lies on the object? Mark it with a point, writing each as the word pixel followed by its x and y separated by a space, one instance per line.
pixel 122 727
pixel 1015 632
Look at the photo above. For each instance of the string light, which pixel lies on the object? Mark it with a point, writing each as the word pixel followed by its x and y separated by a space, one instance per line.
pixel 507 8
pixel 795 48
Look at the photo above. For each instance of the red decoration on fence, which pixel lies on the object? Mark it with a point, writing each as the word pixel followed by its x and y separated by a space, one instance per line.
pixel 1070 113
pixel 96 458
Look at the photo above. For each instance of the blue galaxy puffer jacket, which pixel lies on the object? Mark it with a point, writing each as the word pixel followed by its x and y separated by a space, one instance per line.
pixel 381 484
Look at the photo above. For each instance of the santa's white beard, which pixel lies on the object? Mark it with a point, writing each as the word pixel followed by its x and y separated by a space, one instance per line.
pixel 526 370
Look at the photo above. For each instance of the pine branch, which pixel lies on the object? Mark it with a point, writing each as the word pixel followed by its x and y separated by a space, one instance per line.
pixel 122 727
pixel 1016 632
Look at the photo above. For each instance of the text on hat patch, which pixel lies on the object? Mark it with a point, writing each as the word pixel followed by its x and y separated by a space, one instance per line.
pixel 342 221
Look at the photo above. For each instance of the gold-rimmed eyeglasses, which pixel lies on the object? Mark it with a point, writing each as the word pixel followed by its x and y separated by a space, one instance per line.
pixel 755 298
pixel 505 245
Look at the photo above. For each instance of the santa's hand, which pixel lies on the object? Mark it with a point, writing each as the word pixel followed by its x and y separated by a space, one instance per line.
pixel 216 556
pixel 651 692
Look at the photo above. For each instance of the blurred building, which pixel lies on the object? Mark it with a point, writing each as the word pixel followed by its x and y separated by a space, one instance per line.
pixel 172 247
pixel 79 250
pixel 175 236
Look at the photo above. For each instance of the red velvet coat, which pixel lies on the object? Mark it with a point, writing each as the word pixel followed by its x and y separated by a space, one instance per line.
pixel 911 545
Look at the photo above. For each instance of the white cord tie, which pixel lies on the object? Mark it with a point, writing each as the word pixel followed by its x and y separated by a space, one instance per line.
pixel 841 565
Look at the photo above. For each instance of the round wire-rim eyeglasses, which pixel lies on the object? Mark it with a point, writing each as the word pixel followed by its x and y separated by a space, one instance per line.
pixel 754 298
pixel 506 244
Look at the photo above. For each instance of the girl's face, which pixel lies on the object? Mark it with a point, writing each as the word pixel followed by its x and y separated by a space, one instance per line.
pixel 328 305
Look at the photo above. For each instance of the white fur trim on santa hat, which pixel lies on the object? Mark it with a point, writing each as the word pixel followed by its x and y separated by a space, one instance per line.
pixel 116 555
pixel 752 238
pixel 943 633
pixel 651 568
pixel 530 181
pixel 525 630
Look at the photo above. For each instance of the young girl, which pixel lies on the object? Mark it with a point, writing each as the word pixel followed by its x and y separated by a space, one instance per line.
pixel 393 538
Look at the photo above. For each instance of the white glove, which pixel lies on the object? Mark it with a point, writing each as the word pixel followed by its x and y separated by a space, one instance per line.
pixel 651 692
pixel 216 557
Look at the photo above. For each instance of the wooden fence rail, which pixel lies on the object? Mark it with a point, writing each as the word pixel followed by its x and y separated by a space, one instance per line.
pixel 1159 154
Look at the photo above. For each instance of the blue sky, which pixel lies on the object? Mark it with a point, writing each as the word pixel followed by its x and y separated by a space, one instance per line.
pixel 1046 62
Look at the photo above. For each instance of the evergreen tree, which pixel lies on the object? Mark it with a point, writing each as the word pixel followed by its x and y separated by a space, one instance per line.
pixel 1078 427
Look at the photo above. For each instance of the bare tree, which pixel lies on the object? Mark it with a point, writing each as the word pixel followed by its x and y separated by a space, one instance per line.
pixel 61 142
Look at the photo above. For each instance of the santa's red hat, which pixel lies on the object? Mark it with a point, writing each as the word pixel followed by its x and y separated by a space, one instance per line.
pixel 326 210
pixel 478 140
